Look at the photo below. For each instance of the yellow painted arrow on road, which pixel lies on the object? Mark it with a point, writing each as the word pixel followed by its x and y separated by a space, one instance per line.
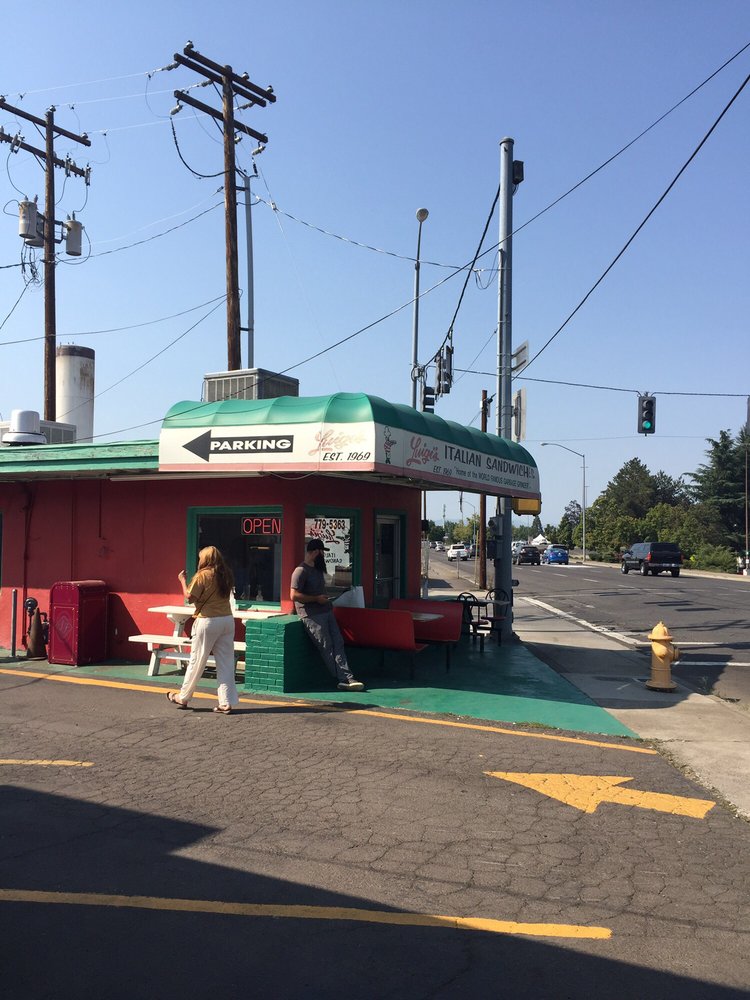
pixel 587 791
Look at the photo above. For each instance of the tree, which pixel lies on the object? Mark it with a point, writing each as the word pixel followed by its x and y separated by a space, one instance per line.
pixel 670 491
pixel 536 527
pixel 568 523
pixel 632 491
pixel 719 484
pixel 435 534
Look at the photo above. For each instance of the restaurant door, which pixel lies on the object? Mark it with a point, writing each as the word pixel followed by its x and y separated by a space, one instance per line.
pixel 387 558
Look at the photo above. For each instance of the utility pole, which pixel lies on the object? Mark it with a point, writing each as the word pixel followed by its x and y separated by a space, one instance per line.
pixel 250 293
pixel 232 86
pixel 47 155
pixel 482 540
pixel 511 174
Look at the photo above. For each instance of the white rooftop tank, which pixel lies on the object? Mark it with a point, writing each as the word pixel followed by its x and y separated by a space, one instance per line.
pixel 74 389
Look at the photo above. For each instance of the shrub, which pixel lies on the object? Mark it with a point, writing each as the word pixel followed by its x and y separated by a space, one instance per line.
pixel 714 557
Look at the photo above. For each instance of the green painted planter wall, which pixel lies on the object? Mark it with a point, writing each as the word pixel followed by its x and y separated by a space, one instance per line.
pixel 280 658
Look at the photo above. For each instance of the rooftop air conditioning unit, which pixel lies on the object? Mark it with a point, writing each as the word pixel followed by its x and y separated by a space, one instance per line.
pixel 249 383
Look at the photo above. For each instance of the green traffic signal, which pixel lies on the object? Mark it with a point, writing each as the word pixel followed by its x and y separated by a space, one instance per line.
pixel 646 414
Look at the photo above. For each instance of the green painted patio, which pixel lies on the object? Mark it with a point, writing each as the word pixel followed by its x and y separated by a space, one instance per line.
pixel 503 683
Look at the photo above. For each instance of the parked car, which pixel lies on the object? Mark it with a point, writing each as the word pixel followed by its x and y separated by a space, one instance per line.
pixel 652 557
pixel 457 552
pixel 527 554
pixel 471 550
pixel 556 554
pixel 439 547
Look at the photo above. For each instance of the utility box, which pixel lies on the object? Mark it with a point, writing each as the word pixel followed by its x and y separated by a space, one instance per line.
pixel 78 622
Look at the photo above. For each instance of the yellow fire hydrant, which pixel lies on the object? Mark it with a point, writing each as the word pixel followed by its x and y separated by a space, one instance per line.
pixel 663 655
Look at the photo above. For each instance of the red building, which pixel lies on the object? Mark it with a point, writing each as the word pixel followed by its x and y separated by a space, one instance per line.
pixel 255 478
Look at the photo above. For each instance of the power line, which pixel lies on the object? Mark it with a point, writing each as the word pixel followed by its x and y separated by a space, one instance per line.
pixel 608 388
pixel 120 329
pixel 157 236
pixel 25 288
pixel 159 353
pixel 630 240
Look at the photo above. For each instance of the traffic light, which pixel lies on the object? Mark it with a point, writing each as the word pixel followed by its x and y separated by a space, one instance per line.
pixel 646 414
pixel 428 399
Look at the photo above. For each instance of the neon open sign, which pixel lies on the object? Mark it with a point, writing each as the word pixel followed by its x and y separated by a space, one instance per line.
pixel 261 525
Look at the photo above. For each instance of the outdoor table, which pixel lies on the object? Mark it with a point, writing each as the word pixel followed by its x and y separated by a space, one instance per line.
pixel 178 614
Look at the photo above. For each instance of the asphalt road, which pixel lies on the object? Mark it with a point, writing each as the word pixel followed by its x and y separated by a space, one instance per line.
pixel 708 616
pixel 295 851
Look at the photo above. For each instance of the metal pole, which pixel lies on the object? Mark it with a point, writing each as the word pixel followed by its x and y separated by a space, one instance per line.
pixel 250 286
pixel 554 444
pixel 50 327
pixel 482 540
pixel 503 575
pixel 746 569
pixel 583 511
pixel 422 214
pixel 14 613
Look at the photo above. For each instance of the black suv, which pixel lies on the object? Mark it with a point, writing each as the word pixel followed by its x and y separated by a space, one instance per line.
pixel 527 554
pixel 652 557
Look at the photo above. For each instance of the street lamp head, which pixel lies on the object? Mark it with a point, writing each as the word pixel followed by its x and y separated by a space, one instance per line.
pixel 422 214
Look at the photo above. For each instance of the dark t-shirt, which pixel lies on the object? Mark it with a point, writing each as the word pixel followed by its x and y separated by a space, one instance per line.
pixel 311 582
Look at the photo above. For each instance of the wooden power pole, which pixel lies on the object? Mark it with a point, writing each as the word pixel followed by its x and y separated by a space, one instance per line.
pixel 47 156
pixel 232 86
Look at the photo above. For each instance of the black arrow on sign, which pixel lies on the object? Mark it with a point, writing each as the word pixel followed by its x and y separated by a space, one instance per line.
pixel 253 444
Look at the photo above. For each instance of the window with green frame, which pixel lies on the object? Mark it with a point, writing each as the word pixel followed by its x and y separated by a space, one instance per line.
pixel 249 538
pixel 338 528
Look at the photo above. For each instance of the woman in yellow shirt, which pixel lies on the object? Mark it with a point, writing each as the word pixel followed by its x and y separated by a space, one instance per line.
pixel 213 630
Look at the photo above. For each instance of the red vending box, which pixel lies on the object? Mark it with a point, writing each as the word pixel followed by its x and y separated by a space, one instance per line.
pixel 78 622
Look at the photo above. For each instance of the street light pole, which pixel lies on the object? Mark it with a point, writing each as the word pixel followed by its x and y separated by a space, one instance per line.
pixel 422 214
pixel 580 454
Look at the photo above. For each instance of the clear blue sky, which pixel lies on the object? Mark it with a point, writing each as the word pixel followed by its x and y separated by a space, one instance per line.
pixel 383 108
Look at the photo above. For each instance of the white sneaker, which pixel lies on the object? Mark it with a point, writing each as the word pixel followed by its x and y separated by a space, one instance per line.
pixel 351 685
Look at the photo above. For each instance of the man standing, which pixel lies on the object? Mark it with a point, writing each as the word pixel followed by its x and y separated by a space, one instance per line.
pixel 308 591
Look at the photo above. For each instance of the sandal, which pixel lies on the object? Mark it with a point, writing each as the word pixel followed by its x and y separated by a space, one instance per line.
pixel 223 709
pixel 172 697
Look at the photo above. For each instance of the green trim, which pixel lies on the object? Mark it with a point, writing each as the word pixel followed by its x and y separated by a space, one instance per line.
pixel 94 459
pixel 403 519
pixel 354 515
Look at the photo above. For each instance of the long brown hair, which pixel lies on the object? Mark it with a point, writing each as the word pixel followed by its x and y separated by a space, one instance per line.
pixel 212 568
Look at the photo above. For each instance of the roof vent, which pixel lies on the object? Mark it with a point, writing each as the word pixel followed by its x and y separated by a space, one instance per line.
pixel 24 428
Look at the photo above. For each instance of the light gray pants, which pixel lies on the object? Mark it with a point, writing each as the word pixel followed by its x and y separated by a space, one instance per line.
pixel 212 635
pixel 325 633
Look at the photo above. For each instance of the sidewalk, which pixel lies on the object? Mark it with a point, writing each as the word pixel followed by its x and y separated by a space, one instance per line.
pixel 699 732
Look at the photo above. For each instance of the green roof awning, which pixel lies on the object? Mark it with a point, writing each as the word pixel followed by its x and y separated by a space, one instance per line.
pixel 350 434
pixel 85 461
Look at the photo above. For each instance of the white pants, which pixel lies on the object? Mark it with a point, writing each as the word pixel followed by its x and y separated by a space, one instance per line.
pixel 212 635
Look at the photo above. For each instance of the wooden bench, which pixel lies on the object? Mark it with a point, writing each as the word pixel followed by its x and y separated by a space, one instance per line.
pixel 376 628
pixel 171 648
pixel 445 630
